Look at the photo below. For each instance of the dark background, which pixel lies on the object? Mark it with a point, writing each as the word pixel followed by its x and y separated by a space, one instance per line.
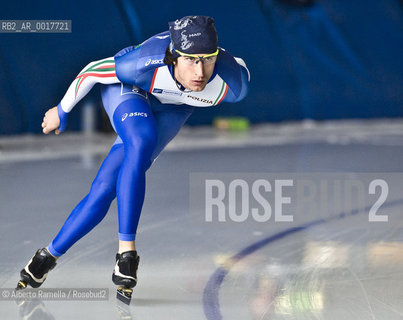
pixel 308 59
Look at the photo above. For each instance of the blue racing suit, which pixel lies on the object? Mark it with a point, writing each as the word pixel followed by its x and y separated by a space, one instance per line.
pixel 146 107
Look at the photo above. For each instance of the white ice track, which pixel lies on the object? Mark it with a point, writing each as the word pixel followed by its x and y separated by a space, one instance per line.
pixel 339 268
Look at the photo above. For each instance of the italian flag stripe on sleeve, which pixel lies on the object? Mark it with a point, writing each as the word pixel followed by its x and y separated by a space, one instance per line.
pixel 100 65
pixel 103 69
pixel 223 93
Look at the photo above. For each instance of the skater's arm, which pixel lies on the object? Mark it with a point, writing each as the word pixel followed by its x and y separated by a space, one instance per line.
pixel 101 71
pixel 235 73
pixel 245 79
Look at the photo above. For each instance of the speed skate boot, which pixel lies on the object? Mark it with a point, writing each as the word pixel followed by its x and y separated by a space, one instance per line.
pixel 125 274
pixel 35 272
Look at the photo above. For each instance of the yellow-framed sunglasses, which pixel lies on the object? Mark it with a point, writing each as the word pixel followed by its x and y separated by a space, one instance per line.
pixel 194 58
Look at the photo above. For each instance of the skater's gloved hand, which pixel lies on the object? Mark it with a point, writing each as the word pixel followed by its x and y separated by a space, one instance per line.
pixel 51 121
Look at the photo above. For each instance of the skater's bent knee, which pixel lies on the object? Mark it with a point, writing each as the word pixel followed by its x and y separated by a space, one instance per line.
pixel 144 145
pixel 103 188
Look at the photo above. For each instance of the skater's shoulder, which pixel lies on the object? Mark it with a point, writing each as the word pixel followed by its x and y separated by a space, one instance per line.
pixel 235 73
pixel 134 61
pixel 153 46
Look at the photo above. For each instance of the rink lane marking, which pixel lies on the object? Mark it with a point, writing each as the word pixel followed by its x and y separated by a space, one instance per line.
pixel 211 303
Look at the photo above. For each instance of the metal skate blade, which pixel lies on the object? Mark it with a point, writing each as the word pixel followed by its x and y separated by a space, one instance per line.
pixel 123 296
pixel 21 285
pixel 123 310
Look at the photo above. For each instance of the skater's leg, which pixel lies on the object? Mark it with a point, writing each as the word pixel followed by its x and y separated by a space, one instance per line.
pixel 126 246
pixel 93 208
pixel 169 119
pixel 135 124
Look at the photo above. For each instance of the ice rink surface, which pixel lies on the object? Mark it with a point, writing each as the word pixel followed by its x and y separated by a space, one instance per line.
pixel 320 266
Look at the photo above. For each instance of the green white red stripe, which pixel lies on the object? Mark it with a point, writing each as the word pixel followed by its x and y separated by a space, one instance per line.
pixel 103 69
pixel 223 93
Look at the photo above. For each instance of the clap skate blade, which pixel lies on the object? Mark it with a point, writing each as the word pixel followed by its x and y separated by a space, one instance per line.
pixel 124 294
pixel 21 285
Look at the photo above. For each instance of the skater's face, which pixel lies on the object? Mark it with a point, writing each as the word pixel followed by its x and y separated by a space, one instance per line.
pixel 193 72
